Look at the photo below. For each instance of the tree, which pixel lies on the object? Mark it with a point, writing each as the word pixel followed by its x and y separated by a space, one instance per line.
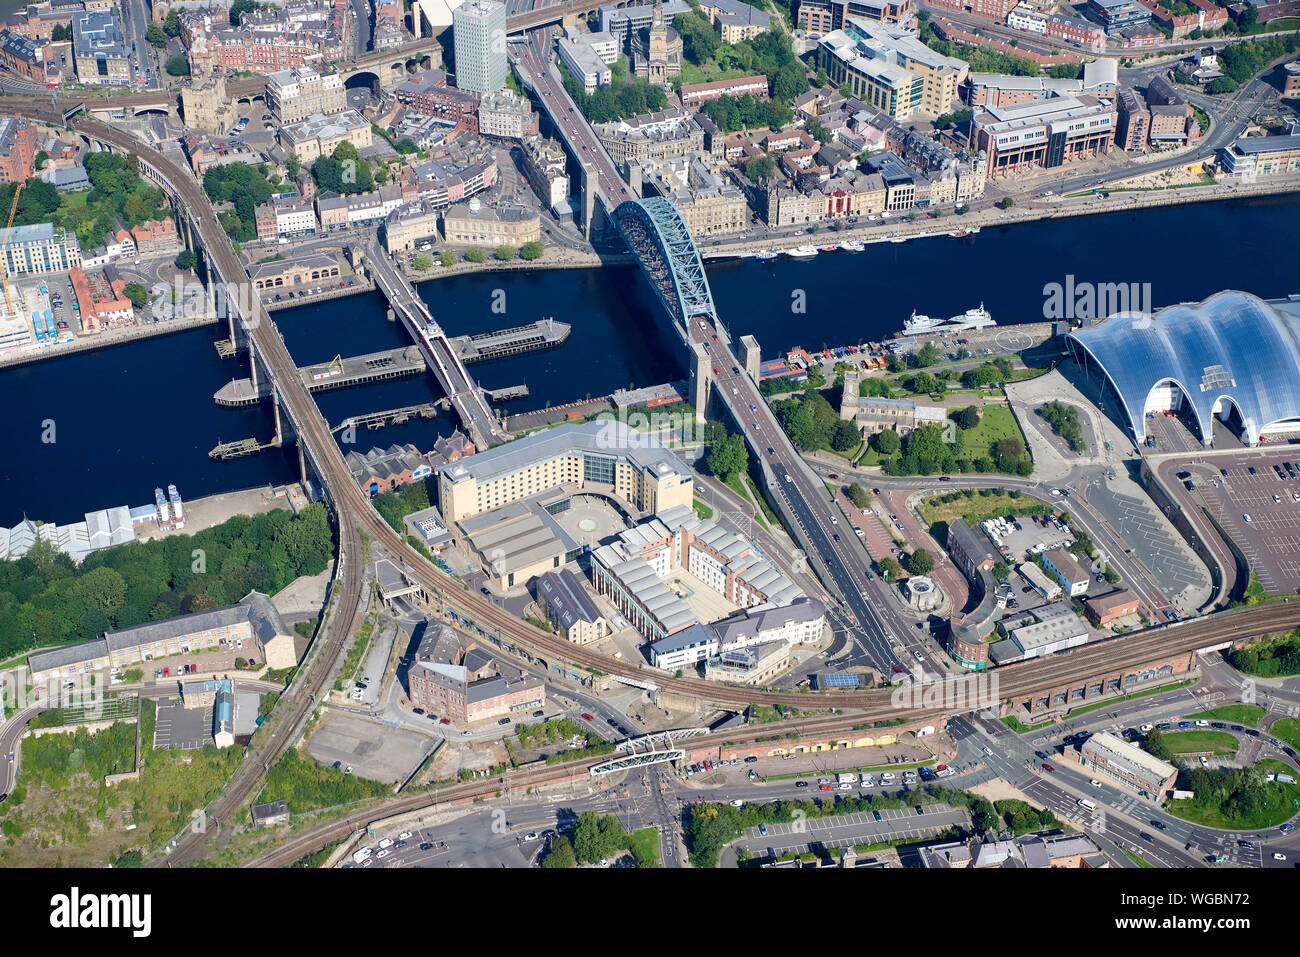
pixel 560 854
pixel 966 418
pixel 476 255
pixel 422 263
pixel 156 36
pixel 447 257
pixel 886 442
pixel 928 355
pixel 137 294
pixel 1006 202
pixel 292 167
pixel 844 436
pixel 186 259
pixel 41 159
pixel 239 8
pixel 760 168
pixel 178 65
pixel 728 457
pixel 530 251
pixel 888 569
pixel 505 253
pixel 60 33
pixel 920 562
pixel 1223 84
pixel 858 495
pixel 172 23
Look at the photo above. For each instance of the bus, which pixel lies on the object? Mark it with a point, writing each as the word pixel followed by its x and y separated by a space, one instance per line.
pixel 1087 805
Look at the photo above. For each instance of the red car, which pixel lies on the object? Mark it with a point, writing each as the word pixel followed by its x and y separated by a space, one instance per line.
pixel 1048 767
pixel 166 672
pixel 823 787
pixel 717 372
pixel 587 717
pixel 444 720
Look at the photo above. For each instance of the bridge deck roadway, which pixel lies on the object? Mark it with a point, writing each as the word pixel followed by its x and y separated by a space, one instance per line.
pixel 465 395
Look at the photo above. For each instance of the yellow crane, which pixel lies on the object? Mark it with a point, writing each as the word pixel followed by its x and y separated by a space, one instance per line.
pixel 4 251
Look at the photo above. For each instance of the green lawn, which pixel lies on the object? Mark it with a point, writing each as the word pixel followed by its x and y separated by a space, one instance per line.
pixel 1197 742
pixel 703 510
pixel 1247 714
pixel 1280 804
pixel 644 845
pixel 996 422
pixel 979 507
pixel 1137 860
pixel 1288 730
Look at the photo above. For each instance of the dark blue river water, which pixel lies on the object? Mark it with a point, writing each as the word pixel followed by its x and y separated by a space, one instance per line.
pixel 133 417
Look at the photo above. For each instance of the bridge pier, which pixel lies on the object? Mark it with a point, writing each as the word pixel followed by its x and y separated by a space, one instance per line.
pixel 589 180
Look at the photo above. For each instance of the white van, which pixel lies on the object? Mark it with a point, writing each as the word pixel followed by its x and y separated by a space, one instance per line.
pixel 386 843
pixel 1087 805
pixel 846 779
pixel 361 855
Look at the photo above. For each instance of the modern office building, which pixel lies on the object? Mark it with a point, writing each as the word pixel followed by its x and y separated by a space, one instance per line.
pixel 479 33
pixel 890 69
pixel 1252 156
pixel 583 62
pixel 633 573
pixel 816 18
pixel 294 95
pixel 1043 133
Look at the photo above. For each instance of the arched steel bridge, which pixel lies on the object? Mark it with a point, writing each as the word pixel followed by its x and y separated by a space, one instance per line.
pixel 648 749
pixel 657 235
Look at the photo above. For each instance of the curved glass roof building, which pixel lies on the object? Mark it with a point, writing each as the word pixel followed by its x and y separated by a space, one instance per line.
pixel 1231 353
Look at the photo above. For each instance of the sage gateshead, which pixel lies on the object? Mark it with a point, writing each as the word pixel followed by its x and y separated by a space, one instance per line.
pixel 1233 357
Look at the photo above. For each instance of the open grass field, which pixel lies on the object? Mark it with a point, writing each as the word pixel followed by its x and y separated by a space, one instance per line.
pixel 1247 714
pixel 1201 742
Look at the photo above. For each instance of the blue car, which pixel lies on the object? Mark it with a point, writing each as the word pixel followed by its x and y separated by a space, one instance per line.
pixel 762 829
pixel 1184 724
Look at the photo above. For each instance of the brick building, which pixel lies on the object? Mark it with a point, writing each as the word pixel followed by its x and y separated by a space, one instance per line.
pixel 18 148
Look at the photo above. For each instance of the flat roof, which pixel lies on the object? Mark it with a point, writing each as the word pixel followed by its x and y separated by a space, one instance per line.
pixel 607 437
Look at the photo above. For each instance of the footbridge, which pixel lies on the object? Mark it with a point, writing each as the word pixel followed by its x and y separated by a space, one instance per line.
pixel 647 749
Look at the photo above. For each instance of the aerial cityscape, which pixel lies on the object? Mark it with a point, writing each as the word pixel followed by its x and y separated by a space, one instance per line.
pixel 689 434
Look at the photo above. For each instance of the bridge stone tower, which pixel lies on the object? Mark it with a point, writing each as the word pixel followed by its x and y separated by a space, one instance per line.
pixel 701 380
pixel 589 181
pixel 750 356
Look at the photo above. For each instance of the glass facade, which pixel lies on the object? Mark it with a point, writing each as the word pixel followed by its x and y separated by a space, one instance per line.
pixel 1233 351
pixel 598 468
